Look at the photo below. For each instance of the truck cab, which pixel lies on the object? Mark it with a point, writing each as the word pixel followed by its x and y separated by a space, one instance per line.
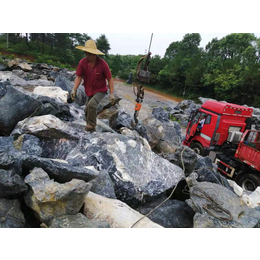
pixel 221 120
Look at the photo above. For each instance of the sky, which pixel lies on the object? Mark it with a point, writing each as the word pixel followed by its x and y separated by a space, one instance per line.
pixel 138 43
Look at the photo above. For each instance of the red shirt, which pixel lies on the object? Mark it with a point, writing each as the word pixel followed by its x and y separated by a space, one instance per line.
pixel 94 79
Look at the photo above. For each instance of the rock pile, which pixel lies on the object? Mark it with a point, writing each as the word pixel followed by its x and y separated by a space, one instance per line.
pixel 54 174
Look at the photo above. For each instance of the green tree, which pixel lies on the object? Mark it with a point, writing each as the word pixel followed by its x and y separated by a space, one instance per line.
pixel 103 44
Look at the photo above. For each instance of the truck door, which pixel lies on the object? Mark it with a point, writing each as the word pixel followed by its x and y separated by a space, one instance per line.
pixel 193 125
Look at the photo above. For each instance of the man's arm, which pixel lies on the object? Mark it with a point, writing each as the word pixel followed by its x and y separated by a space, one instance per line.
pixel 77 82
pixel 111 85
pixel 111 88
pixel 73 94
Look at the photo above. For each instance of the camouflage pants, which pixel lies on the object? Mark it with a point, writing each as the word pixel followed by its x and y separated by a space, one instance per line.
pixel 91 108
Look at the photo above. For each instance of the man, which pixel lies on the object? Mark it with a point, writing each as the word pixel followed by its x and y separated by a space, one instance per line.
pixel 201 123
pixel 95 71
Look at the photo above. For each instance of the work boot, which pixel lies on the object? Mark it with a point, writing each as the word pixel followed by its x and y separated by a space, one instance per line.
pixel 90 128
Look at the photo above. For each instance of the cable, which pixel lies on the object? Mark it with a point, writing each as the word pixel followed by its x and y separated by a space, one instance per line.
pixel 164 200
pixel 157 206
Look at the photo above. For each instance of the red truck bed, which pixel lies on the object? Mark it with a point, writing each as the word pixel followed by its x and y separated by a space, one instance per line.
pixel 248 155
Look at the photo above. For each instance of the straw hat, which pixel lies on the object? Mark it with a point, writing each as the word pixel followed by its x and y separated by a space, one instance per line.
pixel 91 47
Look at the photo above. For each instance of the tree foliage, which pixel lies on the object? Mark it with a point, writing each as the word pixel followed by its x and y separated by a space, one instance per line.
pixel 227 69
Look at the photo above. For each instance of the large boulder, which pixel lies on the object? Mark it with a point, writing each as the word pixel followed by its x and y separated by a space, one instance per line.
pixel 49 199
pixel 14 106
pixel 47 126
pixel 137 173
pixel 115 212
pixel 60 171
pixel 10 214
pixel 52 92
pixel 218 207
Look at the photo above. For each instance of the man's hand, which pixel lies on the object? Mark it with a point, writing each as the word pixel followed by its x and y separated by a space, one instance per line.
pixel 73 94
pixel 112 99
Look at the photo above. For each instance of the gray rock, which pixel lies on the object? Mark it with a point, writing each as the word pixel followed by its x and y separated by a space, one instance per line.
pixel 11 184
pixel 109 114
pixel 137 173
pixel 47 126
pixel 77 221
pixel 2 67
pixel 3 90
pixel 60 171
pixel 172 214
pixel 172 132
pixel 15 106
pixel 81 97
pixel 184 157
pixel 105 103
pixel 50 199
pixel 161 114
pixel 103 185
pixel 51 106
pixel 63 83
pixel 207 173
pixel 220 207
pixel 17 81
pixel 10 214
pixel 153 131
pixel 6 160
pixel 123 120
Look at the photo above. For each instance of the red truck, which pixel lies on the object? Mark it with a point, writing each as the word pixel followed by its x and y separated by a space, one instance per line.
pixel 227 138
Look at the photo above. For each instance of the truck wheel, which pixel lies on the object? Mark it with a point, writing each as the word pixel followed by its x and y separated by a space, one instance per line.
pixel 249 182
pixel 197 148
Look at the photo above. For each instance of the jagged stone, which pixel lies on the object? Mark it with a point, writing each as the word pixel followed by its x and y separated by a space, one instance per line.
pixel 14 107
pixel 60 171
pixel 63 83
pixel 10 214
pixel 13 62
pixel 11 184
pixel 6 160
pixel 52 92
pixel 137 173
pixel 103 185
pixel 24 66
pixel 50 199
pixel 207 172
pixel 47 126
pixel 153 131
pixel 217 206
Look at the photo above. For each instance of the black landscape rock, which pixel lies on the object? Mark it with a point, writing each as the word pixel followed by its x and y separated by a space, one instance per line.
pixel 60 171
pixel 172 214
pixel 11 184
pixel 15 106
pixel 10 214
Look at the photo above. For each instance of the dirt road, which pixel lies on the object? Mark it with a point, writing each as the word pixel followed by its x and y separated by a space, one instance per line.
pixel 152 99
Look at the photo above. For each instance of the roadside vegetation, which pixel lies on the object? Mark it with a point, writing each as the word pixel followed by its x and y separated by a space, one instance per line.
pixel 227 69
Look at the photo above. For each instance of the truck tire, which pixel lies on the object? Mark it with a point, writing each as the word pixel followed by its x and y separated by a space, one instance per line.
pixel 197 148
pixel 248 182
